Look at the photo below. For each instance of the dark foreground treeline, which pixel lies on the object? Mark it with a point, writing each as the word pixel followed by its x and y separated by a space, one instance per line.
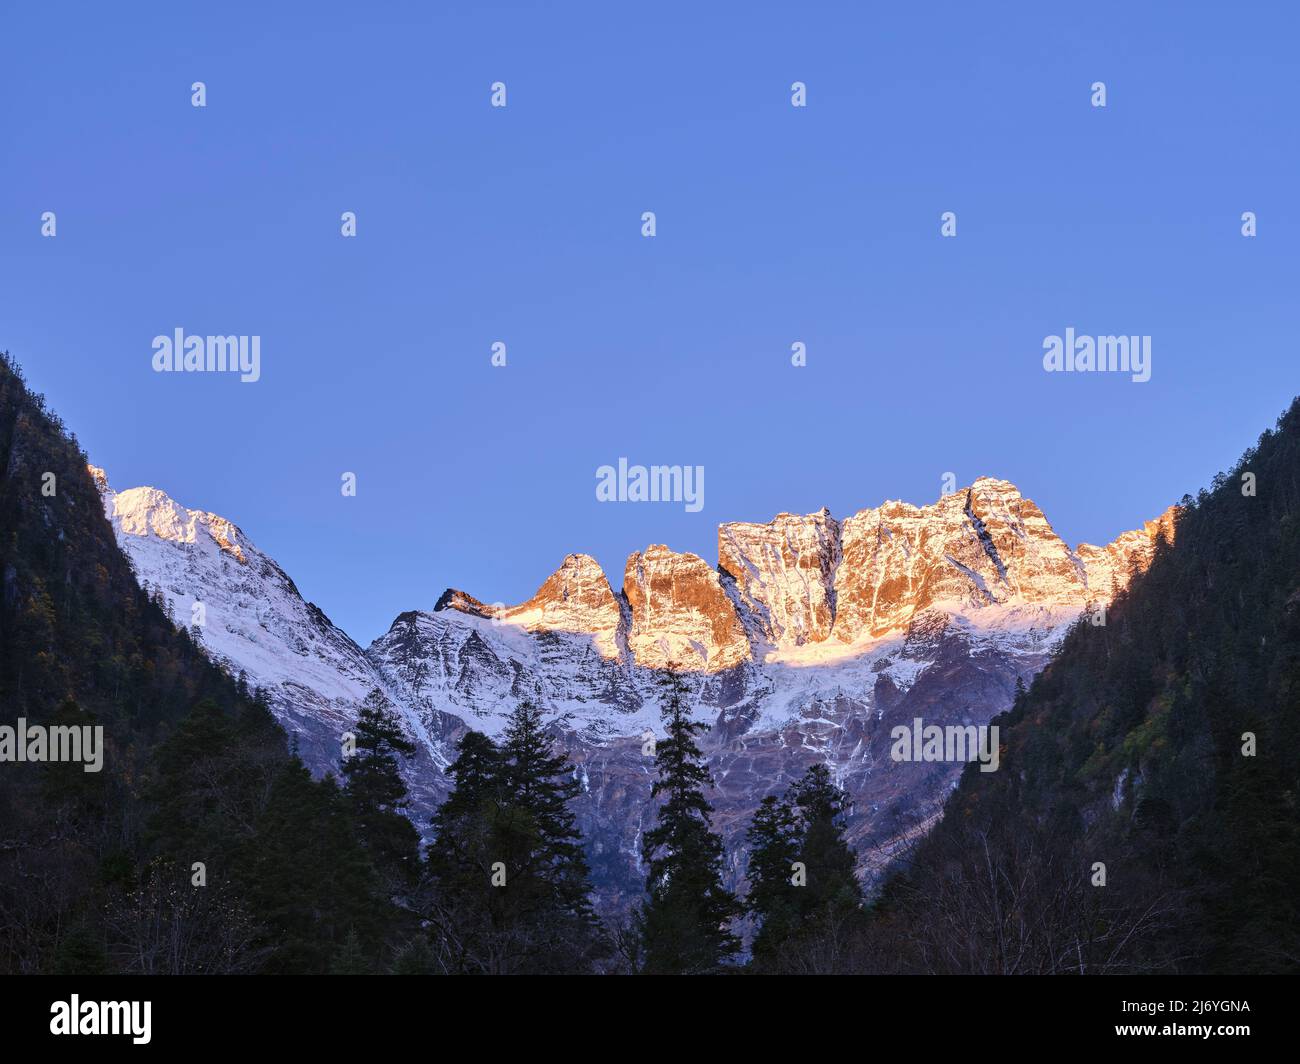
pixel 1125 830
pixel 96 869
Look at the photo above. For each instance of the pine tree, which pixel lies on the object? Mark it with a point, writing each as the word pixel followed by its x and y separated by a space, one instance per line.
pixel 350 958
pixel 458 910
pixel 803 885
pixel 509 880
pixel 542 785
pixel 312 882
pixel 684 925
pixel 377 792
pixel 773 848
pixel 833 894
pixel 475 774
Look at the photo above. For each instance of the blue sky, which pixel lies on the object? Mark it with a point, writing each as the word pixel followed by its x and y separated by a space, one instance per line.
pixel 522 224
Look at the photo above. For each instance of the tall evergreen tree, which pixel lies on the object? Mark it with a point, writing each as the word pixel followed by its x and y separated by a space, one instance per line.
pixel 375 788
pixel 832 898
pixel 542 784
pixel 476 775
pixel 773 848
pixel 685 924
pixel 311 881
pixel 458 906
pixel 509 880
pixel 803 886
pixel 350 958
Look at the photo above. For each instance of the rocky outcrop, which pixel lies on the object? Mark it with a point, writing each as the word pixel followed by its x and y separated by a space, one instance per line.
pixel 1108 568
pixel 809 579
pixel 681 615
pixel 576 598
pixel 784 573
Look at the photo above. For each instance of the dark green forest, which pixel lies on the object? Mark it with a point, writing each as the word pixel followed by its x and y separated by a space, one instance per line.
pixel 1144 818
pixel 1163 745
pixel 97 870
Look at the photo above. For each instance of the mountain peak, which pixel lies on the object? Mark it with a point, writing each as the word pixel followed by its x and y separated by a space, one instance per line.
pixel 579 580
pixel 784 572
pixel 101 480
pixel 462 602
pixel 994 484
pixel 575 598
pixel 150 512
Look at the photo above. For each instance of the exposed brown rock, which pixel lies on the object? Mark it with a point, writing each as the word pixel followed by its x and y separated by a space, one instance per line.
pixel 680 613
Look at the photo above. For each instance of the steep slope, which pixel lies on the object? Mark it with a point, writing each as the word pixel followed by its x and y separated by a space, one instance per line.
pixel 249 617
pixel 810 641
pixel 59 561
pixel 97 853
pixel 1145 815
pixel 242 608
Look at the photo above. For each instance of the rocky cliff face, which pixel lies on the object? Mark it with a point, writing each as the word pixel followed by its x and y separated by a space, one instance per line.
pixel 810 640
pixel 1108 567
pixel 577 599
pixel 784 574
pixel 680 613
pixel 984 546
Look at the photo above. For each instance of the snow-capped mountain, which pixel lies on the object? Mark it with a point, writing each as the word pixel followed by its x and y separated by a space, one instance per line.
pixel 810 640
pixel 251 619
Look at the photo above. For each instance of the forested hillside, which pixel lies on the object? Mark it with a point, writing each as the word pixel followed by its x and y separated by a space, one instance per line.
pixel 99 870
pixel 1163 745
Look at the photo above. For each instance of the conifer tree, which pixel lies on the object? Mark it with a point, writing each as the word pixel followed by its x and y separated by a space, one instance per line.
pixel 350 958
pixel 312 882
pixel 509 880
pixel 457 906
pixel 684 925
pixel 542 784
pixel 475 774
pixel 832 893
pixel 801 870
pixel 773 848
pixel 378 795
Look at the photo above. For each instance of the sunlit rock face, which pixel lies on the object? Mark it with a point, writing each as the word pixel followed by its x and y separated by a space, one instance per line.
pixel 984 546
pixel 784 573
pixel 575 598
pixel 680 613
pixel 809 641
pixel 1109 567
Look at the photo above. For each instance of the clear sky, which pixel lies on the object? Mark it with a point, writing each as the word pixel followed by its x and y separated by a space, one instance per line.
pixel 775 224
